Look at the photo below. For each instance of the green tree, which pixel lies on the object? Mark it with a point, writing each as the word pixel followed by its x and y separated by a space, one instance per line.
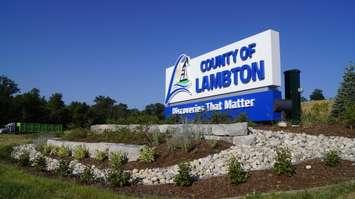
pixel 8 88
pixel 317 94
pixel 156 109
pixel 120 113
pixel 32 107
pixel 79 114
pixel 102 110
pixel 57 111
pixel 346 93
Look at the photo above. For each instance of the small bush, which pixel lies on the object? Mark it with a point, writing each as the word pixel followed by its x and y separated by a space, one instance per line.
pixel 63 151
pixel 236 172
pixel 218 117
pixel 76 134
pixel 184 177
pixel 24 159
pixel 157 138
pixel 119 178
pixel 101 155
pixel 87 176
pixel 64 169
pixel 283 163
pixel 332 158
pixel 242 117
pixel 147 154
pixel 315 112
pixel 40 163
pixel 47 149
pixel 118 159
pixel 198 136
pixel 348 117
pixel 212 143
pixel 80 152
pixel 180 141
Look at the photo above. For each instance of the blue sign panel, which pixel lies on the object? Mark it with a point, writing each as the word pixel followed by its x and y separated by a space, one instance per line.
pixel 257 106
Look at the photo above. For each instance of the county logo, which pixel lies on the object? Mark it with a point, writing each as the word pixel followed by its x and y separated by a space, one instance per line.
pixel 179 81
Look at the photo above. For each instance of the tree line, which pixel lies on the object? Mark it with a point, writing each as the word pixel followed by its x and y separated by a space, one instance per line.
pixel 32 107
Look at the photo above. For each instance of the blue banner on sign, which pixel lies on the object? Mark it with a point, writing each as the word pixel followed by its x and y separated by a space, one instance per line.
pixel 257 106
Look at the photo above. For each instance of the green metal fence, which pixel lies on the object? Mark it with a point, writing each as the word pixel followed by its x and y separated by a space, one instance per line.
pixel 39 128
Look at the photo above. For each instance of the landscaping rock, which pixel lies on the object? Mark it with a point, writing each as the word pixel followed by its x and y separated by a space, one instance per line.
pixel 282 124
pixel 235 129
pixel 255 152
pixel 131 149
pixel 244 140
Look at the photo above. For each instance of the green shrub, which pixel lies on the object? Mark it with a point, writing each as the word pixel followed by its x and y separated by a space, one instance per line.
pixel 212 143
pixel 197 136
pixel 122 135
pixel 80 152
pixel 184 177
pixel 332 158
pixel 236 172
pixel 147 154
pixel 87 176
pixel 182 141
pixel 63 151
pixel 242 117
pixel 218 117
pixel 40 163
pixel 101 155
pixel 64 169
pixel 157 138
pixel 118 159
pixel 47 149
pixel 119 178
pixel 283 163
pixel 348 117
pixel 24 159
pixel 76 134
pixel 315 112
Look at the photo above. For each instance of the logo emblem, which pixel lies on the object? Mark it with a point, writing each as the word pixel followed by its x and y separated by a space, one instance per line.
pixel 179 81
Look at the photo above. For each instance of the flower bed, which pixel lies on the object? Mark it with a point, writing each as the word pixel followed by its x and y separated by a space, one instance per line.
pixel 258 156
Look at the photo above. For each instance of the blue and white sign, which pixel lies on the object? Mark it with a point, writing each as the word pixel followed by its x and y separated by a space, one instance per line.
pixel 257 106
pixel 248 64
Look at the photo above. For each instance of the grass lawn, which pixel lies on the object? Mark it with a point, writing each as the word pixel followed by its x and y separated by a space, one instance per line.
pixel 344 190
pixel 18 183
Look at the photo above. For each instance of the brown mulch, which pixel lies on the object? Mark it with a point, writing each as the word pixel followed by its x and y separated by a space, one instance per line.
pixel 262 181
pixel 165 157
pixel 258 181
pixel 325 129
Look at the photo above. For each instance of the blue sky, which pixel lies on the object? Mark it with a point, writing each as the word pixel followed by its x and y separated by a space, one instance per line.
pixel 121 48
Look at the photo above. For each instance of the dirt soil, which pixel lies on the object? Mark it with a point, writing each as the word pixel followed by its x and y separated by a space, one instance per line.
pixel 164 157
pixel 168 158
pixel 325 129
pixel 258 181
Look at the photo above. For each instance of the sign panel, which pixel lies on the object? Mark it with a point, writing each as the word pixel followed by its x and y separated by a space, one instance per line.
pixel 257 106
pixel 253 62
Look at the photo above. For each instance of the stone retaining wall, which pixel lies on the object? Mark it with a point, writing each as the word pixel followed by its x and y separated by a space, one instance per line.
pixel 131 149
pixel 235 129
pixel 257 154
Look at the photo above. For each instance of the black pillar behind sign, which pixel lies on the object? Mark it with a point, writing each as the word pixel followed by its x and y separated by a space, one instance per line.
pixel 292 92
